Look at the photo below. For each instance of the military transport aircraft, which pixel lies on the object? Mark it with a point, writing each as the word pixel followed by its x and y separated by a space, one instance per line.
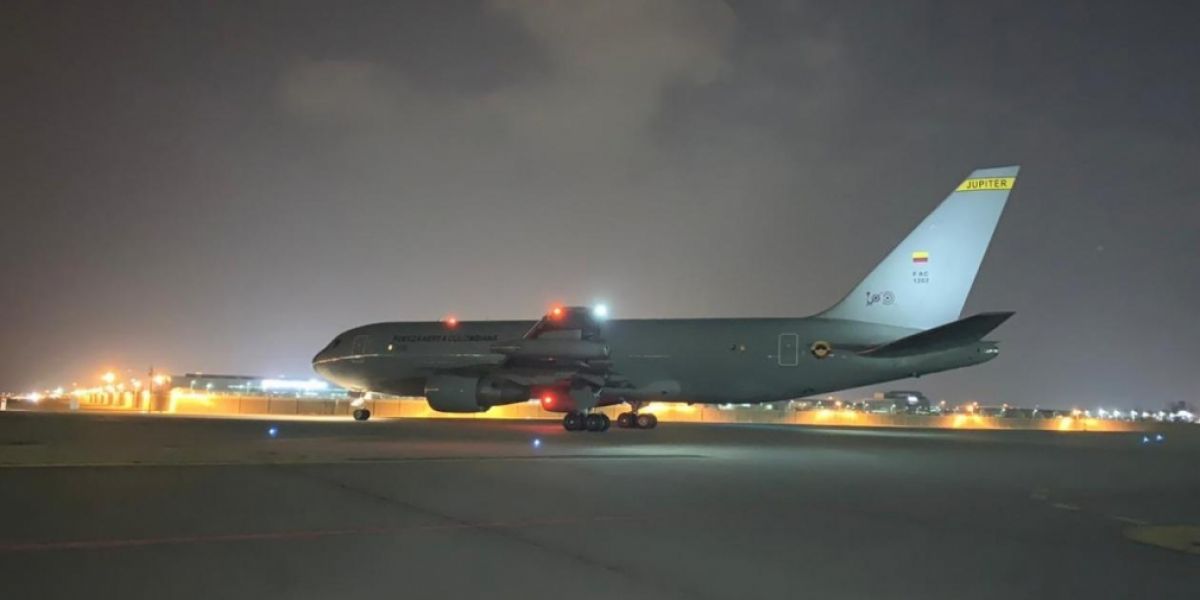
pixel 901 321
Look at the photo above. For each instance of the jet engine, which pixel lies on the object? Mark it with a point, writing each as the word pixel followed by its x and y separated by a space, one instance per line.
pixel 461 394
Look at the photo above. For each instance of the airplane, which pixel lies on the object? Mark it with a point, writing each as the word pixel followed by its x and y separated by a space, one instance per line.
pixel 902 320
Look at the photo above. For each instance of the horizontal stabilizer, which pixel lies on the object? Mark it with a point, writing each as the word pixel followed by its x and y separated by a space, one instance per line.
pixel 944 337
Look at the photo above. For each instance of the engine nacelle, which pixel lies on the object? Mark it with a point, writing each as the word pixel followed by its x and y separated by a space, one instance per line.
pixel 459 394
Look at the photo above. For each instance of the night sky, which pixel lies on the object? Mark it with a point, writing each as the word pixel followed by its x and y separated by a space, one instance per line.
pixel 223 187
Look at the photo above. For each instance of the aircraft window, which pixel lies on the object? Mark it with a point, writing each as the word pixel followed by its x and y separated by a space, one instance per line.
pixel 360 344
pixel 334 343
pixel 737 348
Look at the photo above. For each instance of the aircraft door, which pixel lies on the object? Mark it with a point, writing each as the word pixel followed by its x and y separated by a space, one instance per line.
pixel 789 349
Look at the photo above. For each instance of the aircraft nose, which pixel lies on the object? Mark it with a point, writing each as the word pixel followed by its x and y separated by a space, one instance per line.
pixel 321 366
pixel 318 361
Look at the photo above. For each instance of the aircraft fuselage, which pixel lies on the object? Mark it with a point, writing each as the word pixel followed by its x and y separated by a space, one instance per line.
pixel 681 360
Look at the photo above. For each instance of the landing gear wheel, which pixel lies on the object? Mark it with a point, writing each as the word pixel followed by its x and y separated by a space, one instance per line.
pixel 573 422
pixel 625 420
pixel 361 414
pixel 597 422
pixel 647 421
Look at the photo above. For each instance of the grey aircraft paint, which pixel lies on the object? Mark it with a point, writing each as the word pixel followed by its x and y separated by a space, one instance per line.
pixel 899 322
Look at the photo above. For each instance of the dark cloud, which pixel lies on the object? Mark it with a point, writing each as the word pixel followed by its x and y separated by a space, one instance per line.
pixel 223 187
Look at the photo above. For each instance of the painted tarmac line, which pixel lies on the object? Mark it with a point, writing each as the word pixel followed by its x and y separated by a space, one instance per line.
pixel 1130 520
pixel 346 461
pixel 1178 538
pixel 106 544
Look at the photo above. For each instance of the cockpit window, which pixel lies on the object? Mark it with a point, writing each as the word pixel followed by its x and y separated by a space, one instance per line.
pixel 334 343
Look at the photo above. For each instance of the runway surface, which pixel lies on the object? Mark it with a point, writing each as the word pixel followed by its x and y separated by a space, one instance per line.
pixel 134 506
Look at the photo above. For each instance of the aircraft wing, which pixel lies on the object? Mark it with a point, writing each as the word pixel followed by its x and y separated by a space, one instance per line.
pixel 565 353
pixel 566 347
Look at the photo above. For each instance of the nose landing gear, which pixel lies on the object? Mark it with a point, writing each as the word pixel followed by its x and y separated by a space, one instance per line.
pixel 361 414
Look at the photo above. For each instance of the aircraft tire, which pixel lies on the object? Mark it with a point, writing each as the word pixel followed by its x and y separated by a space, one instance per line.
pixel 625 420
pixel 596 422
pixel 646 421
pixel 361 414
pixel 573 422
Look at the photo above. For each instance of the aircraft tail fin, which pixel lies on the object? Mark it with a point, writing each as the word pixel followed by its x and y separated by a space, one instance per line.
pixel 925 280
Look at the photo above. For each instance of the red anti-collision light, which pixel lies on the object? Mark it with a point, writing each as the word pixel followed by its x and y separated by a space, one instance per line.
pixel 556 312
pixel 451 322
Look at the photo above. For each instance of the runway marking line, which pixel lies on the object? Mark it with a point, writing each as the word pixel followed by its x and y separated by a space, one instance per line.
pixel 352 460
pixel 1130 520
pixel 107 544
pixel 1043 495
pixel 1180 538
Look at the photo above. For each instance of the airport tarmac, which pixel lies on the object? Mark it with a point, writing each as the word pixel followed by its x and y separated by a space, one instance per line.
pixel 141 506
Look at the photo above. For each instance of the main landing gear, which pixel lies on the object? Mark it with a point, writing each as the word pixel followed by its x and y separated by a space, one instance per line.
pixel 361 414
pixel 586 422
pixel 635 420
pixel 577 421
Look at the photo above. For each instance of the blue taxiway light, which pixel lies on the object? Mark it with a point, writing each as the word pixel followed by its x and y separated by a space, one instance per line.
pixel 537 442
pixel 273 431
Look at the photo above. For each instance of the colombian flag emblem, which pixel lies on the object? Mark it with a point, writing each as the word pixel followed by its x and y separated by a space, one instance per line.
pixel 920 256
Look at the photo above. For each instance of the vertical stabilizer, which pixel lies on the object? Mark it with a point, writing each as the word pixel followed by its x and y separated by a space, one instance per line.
pixel 925 280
